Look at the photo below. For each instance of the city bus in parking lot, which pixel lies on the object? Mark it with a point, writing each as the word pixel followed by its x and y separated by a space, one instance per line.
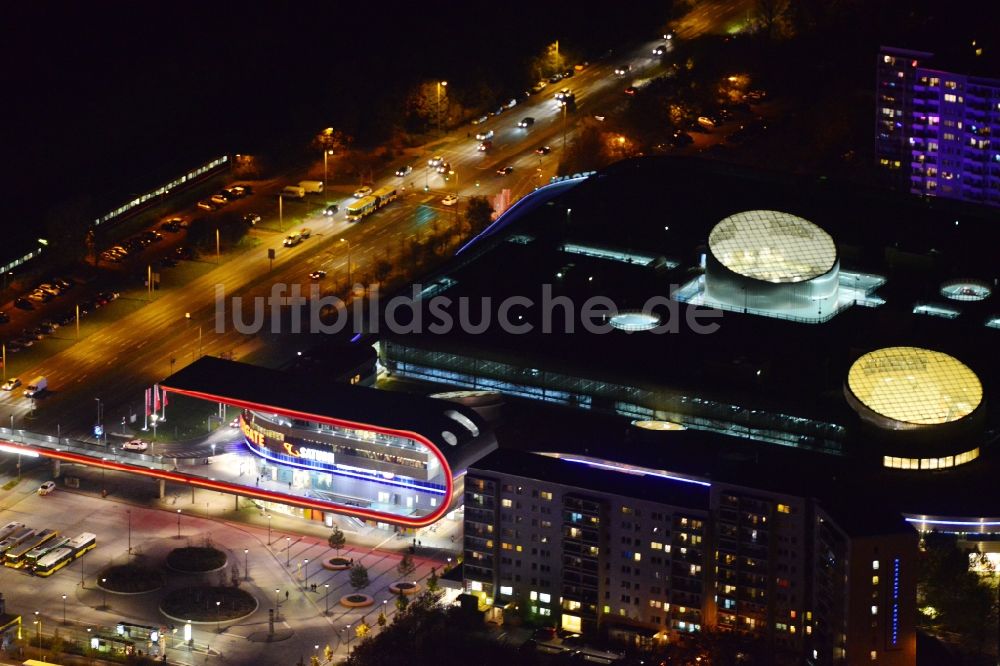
pixel 55 560
pixel 14 557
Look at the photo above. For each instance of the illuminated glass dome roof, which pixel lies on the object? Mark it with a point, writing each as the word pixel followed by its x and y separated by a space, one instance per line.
pixel 772 246
pixel 966 290
pixel 915 386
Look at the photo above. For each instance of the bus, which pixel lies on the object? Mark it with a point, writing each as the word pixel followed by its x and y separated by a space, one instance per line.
pixel 361 208
pixel 384 195
pixel 32 557
pixel 82 543
pixel 9 529
pixel 14 557
pixel 14 538
pixel 55 560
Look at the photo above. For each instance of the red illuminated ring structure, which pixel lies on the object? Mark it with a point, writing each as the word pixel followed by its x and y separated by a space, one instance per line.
pixel 293 500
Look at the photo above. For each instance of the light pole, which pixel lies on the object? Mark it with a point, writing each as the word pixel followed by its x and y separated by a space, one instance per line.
pixel 154 418
pixel 349 285
pixel 129 512
pixel 327 586
pixel 277 604
pixel 348 630
pixel 38 623
pixel 104 594
pixel 305 565
pixel 64 608
pixel 178 523
pixel 268 529
pixel 326 153
pixel 218 617
pixel 288 551
pixel 99 419
pixel 440 84
pixel 246 564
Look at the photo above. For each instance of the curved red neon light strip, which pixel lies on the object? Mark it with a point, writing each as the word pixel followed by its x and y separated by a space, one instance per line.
pixel 318 504
pixel 293 500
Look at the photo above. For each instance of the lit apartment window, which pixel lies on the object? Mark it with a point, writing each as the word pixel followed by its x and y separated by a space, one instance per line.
pixel 874 565
pixel 519 549
pixel 506 591
pixel 627 510
pixel 949 97
pixel 874 580
pixel 533 595
pixel 637 557
pixel 784 508
pixel 874 655
pixel 506 503
pixel 656 545
pixel 546 495
pixel 874 610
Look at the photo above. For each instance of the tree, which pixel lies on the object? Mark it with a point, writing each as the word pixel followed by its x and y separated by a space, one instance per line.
pixel 359 576
pixel 427 106
pixel 336 539
pixel 550 61
pixel 405 566
pixel 401 602
pixel 362 629
pixel 382 270
pixel 382 620
pixel 432 580
pixel 479 213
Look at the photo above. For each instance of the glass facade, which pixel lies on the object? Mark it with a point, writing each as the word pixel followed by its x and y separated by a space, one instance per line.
pixel 930 463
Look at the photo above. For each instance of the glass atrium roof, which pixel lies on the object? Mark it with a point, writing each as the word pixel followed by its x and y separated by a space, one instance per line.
pixel 772 246
pixel 915 385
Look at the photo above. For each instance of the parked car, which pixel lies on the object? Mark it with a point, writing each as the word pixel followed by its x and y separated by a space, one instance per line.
pixel 11 384
pixel 23 303
pixel 4 317
pixel 709 121
pixel 206 205
pixel 251 219
pixel 46 488
pixel 173 225
pixel 168 262
pixel 220 198
pixel 450 200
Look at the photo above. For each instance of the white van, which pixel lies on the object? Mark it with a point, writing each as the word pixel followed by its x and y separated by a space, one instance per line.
pixel 37 386
pixel 312 186
pixel 293 192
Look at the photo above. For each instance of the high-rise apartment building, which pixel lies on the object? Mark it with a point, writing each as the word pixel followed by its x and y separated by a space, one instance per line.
pixel 936 130
pixel 592 546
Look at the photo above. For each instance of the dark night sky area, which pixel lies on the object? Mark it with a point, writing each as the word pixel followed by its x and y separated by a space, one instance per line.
pixel 108 99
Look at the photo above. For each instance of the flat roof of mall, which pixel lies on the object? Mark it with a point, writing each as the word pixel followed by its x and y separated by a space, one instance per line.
pixel 667 207
pixel 312 395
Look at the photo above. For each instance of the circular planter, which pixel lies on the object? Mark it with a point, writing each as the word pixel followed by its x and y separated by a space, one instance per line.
pixel 406 588
pixel 356 601
pixel 198 604
pixel 196 559
pixel 337 564
pixel 129 579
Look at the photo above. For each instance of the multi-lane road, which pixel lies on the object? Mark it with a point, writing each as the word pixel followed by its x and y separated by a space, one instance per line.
pixel 118 361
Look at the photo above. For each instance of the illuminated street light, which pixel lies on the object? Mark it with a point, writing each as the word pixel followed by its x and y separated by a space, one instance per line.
pixel 441 84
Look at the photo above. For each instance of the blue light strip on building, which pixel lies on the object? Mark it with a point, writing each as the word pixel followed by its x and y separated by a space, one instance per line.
pixel 636 471
pixel 410 484
pixel 894 629
pixel 962 523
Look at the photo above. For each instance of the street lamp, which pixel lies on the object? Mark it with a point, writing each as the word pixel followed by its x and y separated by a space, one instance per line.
pixel 344 240
pixel 154 418
pixel 38 623
pixel 218 617
pixel 178 523
pixel 277 604
pixel 305 564
pixel 129 512
pixel 268 529
pixel 64 608
pixel 440 84
pixel 348 630
pixel 326 153
pixel 288 551
pixel 327 586
pixel 246 564
pixel 104 594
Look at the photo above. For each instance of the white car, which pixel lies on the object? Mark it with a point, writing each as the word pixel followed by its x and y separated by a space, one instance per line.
pixel 11 384
pixel 135 445
pixel 482 136
pixel 362 192
pixel 46 487
pixel 450 200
